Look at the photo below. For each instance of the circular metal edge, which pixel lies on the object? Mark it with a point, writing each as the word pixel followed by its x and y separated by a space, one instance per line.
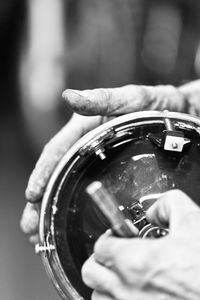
pixel 136 117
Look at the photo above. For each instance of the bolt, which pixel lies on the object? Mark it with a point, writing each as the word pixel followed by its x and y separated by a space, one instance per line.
pixel 174 145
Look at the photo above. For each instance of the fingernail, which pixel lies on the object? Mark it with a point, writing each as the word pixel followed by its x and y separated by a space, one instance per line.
pixel 73 94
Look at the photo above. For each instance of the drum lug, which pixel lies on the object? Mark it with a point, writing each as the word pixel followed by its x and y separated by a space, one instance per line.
pixel 96 145
pixel 173 140
pixel 46 247
pixel 170 139
pixel 100 152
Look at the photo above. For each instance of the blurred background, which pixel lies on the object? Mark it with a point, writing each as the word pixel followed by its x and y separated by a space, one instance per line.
pixel 47 46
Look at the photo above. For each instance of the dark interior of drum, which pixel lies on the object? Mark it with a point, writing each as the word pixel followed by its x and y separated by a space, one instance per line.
pixel 131 170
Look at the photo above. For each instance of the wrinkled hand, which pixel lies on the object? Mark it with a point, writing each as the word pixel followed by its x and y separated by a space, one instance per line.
pixel 145 269
pixel 92 107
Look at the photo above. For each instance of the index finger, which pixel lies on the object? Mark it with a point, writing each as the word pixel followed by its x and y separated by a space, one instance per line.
pixel 123 100
pixel 175 209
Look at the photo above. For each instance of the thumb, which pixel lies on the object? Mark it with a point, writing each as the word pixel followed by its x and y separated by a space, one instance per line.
pixel 174 209
pixel 123 100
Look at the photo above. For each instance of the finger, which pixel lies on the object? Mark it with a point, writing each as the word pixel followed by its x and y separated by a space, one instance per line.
pixel 34 239
pixel 126 99
pixel 54 151
pixel 30 218
pixel 101 296
pixel 174 208
pixel 116 253
pixel 106 247
pixel 97 277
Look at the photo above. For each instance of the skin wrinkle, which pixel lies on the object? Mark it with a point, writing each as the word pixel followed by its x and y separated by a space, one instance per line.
pixel 151 281
pixel 76 101
pixel 130 97
pixel 158 284
pixel 129 102
pixel 133 99
pixel 146 99
pixel 166 269
pixel 191 92
pixel 122 100
pixel 141 276
pixel 108 102
pixel 117 110
pixel 116 104
pixel 194 105
pixel 165 97
pixel 87 103
pixel 107 279
pixel 83 103
pixel 113 247
pixel 105 104
pixel 189 211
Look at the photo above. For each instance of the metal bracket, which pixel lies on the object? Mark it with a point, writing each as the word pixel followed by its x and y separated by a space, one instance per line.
pixel 170 139
pixel 46 247
pixel 96 145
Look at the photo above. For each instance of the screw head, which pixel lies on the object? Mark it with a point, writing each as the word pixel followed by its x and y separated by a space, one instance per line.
pixel 174 145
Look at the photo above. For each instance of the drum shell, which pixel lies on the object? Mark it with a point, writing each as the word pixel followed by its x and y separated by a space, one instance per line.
pixel 115 132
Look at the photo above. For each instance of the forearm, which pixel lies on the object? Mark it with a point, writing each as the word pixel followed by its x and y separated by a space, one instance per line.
pixel 43 68
pixel 46 29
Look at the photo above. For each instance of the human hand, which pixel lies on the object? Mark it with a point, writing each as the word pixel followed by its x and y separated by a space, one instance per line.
pixel 97 105
pixel 143 269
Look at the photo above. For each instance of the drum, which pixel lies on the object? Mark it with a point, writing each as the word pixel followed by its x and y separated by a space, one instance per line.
pixel 137 157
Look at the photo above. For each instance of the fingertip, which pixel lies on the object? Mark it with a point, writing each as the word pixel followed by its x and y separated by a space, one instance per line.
pixel 33 192
pixel 30 219
pixel 77 100
pixel 64 94
pixel 34 239
pixel 159 213
pixel 108 232
pixel 72 95
pixel 30 195
pixel 171 208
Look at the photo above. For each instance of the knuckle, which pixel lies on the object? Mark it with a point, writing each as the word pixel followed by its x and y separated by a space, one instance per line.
pixel 107 251
pixel 96 295
pixel 85 273
pixel 105 94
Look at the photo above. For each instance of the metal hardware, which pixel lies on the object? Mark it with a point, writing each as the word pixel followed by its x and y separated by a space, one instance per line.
pixel 100 152
pixel 46 247
pixel 96 145
pixel 170 139
pixel 168 124
pixel 174 140
pixel 107 203
pixel 152 231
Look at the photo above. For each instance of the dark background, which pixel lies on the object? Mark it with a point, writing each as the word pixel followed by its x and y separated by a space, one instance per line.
pixel 22 276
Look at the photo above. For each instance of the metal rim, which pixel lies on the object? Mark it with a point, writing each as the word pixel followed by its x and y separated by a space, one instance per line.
pixel 135 117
